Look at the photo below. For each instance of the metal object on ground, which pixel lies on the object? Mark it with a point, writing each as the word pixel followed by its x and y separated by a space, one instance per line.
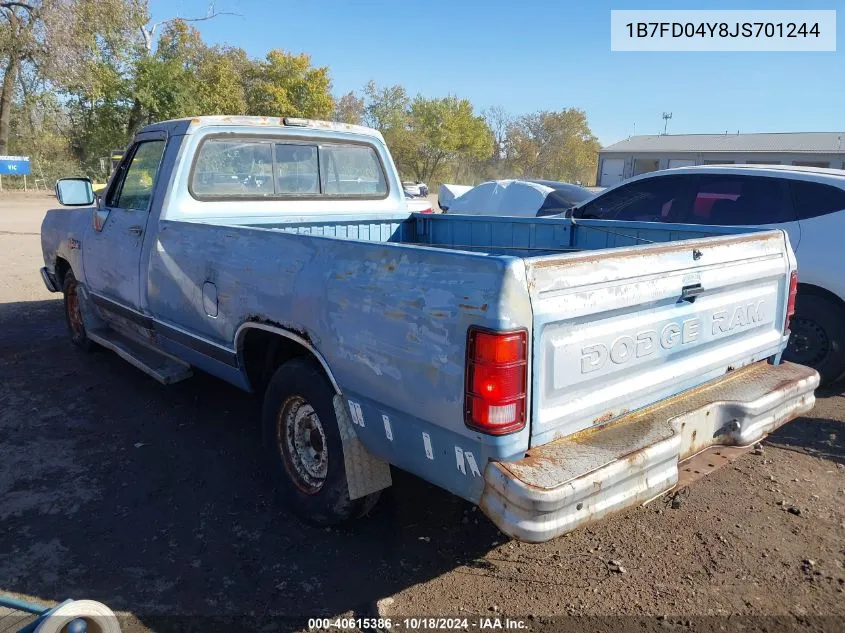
pixel 70 616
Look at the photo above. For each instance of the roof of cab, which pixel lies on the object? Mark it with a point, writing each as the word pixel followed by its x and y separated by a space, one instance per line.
pixel 190 125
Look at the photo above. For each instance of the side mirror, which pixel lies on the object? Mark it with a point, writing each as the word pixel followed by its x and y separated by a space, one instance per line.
pixel 75 192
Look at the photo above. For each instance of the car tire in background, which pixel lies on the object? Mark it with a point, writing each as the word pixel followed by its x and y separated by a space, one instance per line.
pixel 818 336
pixel 303 445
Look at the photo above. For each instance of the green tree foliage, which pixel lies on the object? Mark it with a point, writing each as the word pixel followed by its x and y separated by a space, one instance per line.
pixel 350 109
pixel 221 88
pixel 287 85
pixel 427 137
pixel 61 41
pixel 386 108
pixel 553 145
pixel 445 130
pixel 79 77
pixel 167 84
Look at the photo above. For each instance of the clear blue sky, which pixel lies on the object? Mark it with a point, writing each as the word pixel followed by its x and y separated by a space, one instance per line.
pixel 534 55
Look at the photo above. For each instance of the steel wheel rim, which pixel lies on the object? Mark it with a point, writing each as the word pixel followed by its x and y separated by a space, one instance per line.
pixel 301 440
pixel 74 314
pixel 808 342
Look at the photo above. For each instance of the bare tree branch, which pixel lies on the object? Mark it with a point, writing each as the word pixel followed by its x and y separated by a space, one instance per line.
pixel 149 32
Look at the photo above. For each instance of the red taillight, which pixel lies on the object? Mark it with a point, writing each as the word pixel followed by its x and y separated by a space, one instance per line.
pixel 790 304
pixel 496 381
pixel 428 210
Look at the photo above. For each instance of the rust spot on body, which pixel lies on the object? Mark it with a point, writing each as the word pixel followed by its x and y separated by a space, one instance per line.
pixel 604 417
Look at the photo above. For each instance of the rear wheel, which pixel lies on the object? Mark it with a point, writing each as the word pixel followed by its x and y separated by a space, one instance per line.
pixel 73 312
pixel 818 336
pixel 304 448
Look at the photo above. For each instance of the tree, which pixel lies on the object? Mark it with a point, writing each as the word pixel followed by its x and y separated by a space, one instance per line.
pixel 60 41
pixel 387 108
pixel 553 145
pixel 167 84
pixel 498 120
pixel 287 85
pixel 446 129
pixel 221 85
pixel 350 109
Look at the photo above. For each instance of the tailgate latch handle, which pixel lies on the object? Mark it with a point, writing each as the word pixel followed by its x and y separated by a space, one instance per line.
pixel 689 293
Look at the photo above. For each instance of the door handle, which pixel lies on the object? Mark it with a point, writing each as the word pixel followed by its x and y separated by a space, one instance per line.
pixel 137 230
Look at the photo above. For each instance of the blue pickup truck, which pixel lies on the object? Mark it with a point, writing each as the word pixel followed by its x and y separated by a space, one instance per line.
pixel 551 371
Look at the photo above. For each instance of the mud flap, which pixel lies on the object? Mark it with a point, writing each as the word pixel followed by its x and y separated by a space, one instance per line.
pixel 365 473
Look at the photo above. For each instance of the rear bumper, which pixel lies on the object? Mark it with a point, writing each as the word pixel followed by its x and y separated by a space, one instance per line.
pixel 50 280
pixel 577 480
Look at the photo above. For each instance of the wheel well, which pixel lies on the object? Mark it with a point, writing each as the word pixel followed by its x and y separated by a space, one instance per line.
pixel 263 351
pixel 810 289
pixel 62 266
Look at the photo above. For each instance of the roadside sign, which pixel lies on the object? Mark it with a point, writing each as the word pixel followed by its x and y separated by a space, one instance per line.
pixel 14 165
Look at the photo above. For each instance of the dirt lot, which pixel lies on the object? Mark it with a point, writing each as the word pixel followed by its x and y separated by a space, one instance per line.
pixel 153 500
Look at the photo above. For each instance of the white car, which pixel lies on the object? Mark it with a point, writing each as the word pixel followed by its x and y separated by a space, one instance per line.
pixel 517 198
pixel 415 189
pixel 806 202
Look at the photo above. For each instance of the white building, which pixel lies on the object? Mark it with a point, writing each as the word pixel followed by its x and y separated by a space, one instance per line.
pixel 640 154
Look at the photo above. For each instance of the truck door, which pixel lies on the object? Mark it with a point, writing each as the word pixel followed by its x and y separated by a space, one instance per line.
pixel 112 253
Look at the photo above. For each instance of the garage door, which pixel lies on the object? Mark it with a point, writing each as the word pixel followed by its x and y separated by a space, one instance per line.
pixel 611 171
pixel 680 162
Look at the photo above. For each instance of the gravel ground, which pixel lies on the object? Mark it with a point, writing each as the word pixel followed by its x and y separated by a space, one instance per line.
pixel 153 500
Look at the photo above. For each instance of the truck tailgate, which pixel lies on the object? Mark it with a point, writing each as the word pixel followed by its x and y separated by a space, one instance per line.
pixel 619 329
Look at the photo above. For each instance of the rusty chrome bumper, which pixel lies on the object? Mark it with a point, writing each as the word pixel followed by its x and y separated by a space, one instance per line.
pixel 50 280
pixel 577 480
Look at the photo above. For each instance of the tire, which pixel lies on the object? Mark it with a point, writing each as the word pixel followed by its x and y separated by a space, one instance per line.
pixel 303 446
pixel 818 336
pixel 73 313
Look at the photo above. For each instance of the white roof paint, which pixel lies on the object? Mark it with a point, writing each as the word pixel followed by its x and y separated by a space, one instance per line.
pixel 189 125
pixel 769 143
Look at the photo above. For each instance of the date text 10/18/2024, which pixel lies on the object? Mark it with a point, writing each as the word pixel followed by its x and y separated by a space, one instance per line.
pixel 421 623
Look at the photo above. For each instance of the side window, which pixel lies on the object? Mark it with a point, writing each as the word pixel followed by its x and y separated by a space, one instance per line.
pixel 651 200
pixel 813 199
pixel 739 200
pixel 233 168
pixel 352 170
pixel 134 189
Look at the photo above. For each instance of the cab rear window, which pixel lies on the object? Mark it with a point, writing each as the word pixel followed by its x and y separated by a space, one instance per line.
pixel 250 168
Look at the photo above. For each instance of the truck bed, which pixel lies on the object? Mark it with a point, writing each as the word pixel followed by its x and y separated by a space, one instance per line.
pixel 492 235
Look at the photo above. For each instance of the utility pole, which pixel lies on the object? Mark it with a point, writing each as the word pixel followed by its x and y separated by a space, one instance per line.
pixel 666 117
